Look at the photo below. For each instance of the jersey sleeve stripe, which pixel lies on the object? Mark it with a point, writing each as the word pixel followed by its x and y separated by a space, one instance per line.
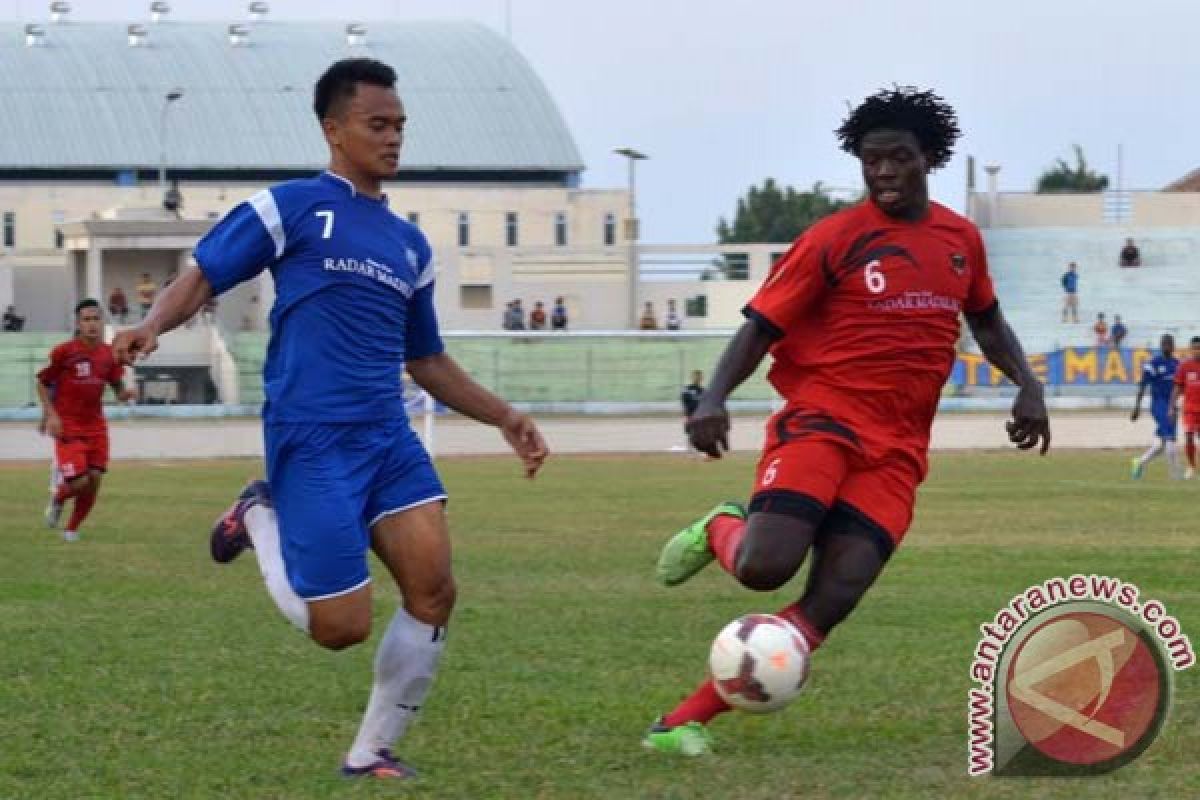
pixel 426 276
pixel 765 324
pixel 264 205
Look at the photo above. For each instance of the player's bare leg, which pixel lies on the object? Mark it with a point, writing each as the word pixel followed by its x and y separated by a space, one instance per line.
pixel 1190 449
pixel 415 546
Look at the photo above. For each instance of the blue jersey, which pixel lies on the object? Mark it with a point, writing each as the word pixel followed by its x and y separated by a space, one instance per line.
pixel 353 296
pixel 1159 375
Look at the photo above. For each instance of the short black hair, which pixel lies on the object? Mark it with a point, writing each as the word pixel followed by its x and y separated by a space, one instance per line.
pixel 87 302
pixel 906 108
pixel 339 82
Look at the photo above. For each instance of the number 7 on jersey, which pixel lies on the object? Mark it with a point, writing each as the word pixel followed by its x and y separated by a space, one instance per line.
pixel 328 217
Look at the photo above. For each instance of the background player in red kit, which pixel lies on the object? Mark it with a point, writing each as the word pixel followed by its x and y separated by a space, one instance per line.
pixel 71 390
pixel 861 318
pixel 1187 386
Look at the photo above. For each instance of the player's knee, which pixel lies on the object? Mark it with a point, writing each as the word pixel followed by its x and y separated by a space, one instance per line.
pixel 435 602
pixel 762 572
pixel 340 633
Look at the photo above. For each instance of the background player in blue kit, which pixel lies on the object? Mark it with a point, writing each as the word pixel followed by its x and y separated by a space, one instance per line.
pixel 1159 375
pixel 354 305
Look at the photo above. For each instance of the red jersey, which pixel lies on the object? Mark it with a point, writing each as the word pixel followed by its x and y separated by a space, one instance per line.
pixel 1187 378
pixel 77 375
pixel 865 308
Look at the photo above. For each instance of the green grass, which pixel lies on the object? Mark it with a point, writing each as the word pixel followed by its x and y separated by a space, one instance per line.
pixel 132 667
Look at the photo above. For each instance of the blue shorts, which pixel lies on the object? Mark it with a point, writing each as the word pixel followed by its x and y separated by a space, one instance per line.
pixel 330 484
pixel 1166 425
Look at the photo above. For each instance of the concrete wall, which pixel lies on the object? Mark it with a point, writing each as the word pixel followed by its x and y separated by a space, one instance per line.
pixel 1095 210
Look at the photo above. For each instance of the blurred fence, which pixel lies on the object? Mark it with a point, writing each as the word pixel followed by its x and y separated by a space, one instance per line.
pixel 592 371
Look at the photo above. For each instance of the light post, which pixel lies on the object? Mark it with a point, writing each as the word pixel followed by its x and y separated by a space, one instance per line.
pixel 631 230
pixel 168 99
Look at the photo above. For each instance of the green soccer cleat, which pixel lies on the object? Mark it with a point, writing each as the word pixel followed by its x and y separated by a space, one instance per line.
pixel 1137 468
pixel 692 739
pixel 688 552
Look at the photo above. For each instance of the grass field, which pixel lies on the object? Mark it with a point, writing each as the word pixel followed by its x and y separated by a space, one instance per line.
pixel 132 667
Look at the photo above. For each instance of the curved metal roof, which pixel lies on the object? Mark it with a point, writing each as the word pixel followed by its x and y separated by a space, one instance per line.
pixel 86 99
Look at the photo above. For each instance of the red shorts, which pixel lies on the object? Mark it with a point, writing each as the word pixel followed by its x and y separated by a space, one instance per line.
pixel 1191 421
pixel 75 455
pixel 812 465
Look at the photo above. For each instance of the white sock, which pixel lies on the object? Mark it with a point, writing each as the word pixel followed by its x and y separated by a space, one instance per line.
pixel 1151 453
pixel 1172 458
pixel 404 666
pixel 263 528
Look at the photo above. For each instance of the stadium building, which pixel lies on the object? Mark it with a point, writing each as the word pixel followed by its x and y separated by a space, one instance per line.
pixel 94 112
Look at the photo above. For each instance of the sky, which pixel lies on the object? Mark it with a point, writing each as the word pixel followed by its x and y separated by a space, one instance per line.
pixel 722 95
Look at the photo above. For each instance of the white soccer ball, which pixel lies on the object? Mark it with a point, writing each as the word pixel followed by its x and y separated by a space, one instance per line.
pixel 759 663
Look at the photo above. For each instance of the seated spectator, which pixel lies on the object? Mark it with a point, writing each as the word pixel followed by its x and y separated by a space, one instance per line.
pixel 537 317
pixel 514 317
pixel 1101 330
pixel 673 321
pixel 1130 255
pixel 118 305
pixel 13 322
pixel 649 321
pixel 1118 332
pixel 558 317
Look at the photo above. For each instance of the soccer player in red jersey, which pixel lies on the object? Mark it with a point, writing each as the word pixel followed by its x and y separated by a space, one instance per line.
pixel 71 390
pixel 861 318
pixel 1187 385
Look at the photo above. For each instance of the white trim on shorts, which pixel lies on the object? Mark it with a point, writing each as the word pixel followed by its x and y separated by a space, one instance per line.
pixel 391 511
pixel 332 595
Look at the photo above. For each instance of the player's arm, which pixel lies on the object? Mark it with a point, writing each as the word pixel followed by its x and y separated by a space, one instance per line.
pixel 1030 423
pixel 1173 403
pixel 709 425
pixel 174 306
pixel 1137 401
pixel 442 377
pixel 50 423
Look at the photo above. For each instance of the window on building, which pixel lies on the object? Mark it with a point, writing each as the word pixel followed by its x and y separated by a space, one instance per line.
pixel 475 298
pixel 464 229
pixel 696 306
pixel 510 229
pixel 610 229
pixel 560 229
pixel 414 217
pixel 10 229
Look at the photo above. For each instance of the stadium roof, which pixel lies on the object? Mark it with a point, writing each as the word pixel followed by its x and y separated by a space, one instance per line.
pixel 85 98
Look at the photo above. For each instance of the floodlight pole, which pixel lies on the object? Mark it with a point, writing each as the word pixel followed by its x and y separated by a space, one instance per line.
pixel 632 231
pixel 168 99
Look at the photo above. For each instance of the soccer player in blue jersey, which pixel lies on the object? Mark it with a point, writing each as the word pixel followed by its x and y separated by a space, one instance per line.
pixel 1159 376
pixel 354 305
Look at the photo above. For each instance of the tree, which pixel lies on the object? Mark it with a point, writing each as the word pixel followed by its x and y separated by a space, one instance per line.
pixel 1062 177
pixel 772 214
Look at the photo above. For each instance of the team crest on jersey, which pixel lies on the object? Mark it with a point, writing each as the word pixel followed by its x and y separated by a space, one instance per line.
pixel 958 262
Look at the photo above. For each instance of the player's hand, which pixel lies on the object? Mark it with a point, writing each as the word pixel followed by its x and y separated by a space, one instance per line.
pixel 526 441
pixel 1136 413
pixel 134 344
pixel 1030 424
pixel 127 395
pixel 708 429
pixel 51 425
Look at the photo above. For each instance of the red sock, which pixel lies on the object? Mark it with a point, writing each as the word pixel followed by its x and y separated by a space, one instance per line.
pixel 83 506
pixel 812 634
pixel 63 493
pixel 725 534
pixel 1191 451
pixel 701 706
